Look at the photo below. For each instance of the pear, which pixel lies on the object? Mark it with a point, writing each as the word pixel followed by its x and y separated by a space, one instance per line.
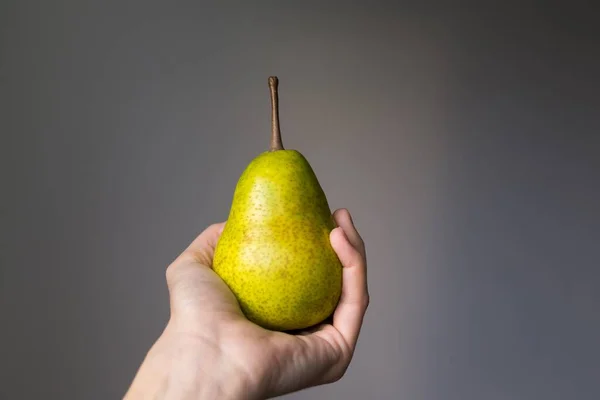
pixel 274 252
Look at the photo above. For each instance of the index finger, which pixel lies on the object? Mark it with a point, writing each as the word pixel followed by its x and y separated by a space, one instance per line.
pixel 202 248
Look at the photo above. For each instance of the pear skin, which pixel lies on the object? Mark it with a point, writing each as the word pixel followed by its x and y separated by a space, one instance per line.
pixel 274 252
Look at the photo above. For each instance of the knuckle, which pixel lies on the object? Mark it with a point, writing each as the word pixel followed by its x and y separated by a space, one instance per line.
pixel 366 302
pixel 362 247
pixel 171 274
pixel 360 239
pixel 339 374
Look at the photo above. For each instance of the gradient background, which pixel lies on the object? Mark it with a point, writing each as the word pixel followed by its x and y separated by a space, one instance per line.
pixel 464 141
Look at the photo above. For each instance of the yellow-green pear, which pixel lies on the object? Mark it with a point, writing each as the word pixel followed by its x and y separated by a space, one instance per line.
pixel 274 252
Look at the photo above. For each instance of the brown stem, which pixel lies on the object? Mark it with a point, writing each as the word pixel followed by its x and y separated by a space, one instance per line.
pixel 276 143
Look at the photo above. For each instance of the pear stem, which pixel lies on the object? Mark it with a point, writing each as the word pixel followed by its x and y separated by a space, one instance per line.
pixel 276 143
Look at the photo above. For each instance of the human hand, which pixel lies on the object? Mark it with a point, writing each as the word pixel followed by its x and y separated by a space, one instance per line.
pixel 210 350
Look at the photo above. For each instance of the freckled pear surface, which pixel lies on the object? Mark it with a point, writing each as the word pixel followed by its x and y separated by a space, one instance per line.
pixel 274 252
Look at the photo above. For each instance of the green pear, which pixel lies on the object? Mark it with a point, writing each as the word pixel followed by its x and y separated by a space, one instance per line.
pixel 274 252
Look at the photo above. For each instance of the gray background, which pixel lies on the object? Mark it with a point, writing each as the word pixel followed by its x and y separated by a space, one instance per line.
pixel 464 141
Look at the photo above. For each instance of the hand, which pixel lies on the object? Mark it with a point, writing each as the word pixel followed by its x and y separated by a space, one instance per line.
pixel 210 350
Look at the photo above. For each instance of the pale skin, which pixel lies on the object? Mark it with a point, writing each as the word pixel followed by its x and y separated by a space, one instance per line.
pixel 209 350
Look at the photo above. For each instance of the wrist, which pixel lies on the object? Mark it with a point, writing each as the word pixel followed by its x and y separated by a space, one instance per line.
pixel 183 367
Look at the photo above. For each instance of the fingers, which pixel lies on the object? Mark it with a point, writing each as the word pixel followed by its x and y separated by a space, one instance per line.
pixel 349 314
pixel 344 220
pixel 202 248
pixel 200 251
pixel 208 238
pixel 193 287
